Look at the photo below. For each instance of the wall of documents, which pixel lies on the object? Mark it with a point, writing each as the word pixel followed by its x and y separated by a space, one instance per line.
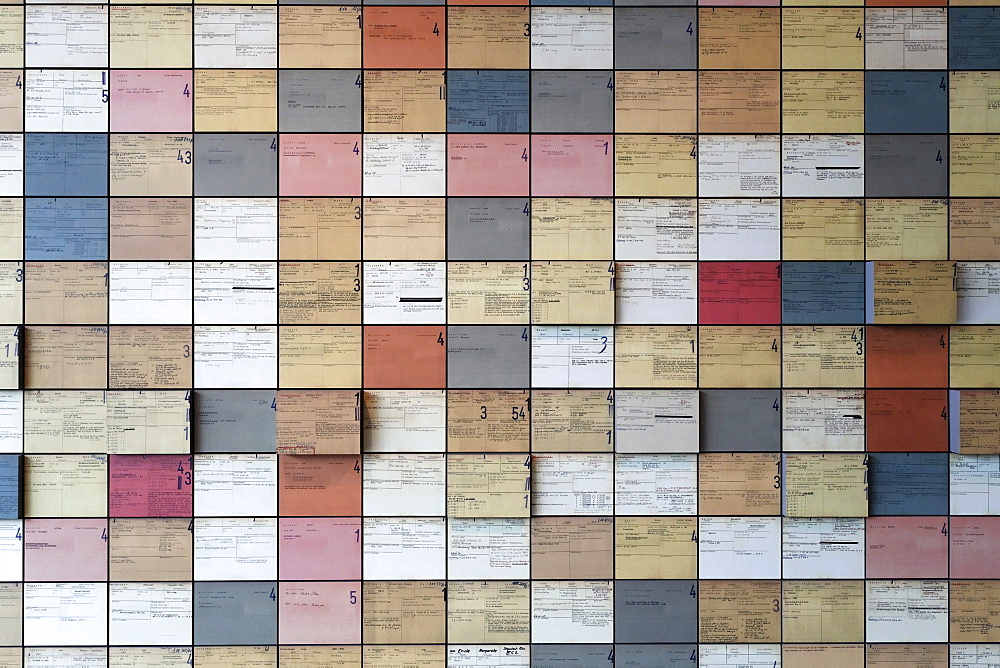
pixel 471 334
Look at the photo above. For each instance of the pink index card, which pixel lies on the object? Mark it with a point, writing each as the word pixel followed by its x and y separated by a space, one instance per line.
pixel 488 165
pixel 320 548
pixel 150 101
pixel 150 486
pixel 316 165
pixel 974 544
pixel 563 165
pixel 906 547
pixel 319 613
pixel 65 550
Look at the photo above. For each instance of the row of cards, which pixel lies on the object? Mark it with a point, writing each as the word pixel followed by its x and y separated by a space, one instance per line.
pixel 341 422
pixel 873 655
pixel 499 101
pixel 303 357
pixel 496 228
pixel 573 611
pixel 544 548
pixel 650 38
pixel 75 164
pixel 805 485
pixel 485 293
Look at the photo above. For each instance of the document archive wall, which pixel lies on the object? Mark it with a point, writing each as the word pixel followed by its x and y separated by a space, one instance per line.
pixel 483 335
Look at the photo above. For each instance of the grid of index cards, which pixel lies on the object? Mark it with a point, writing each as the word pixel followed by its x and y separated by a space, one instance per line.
pixel 662 334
